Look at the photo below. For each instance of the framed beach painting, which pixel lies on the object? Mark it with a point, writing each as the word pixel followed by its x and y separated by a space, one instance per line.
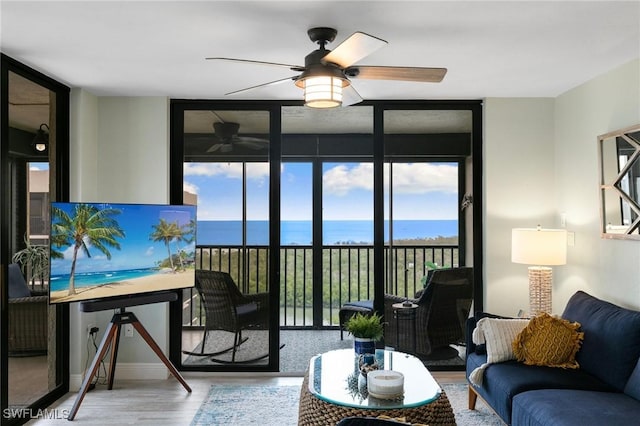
pixel 103 250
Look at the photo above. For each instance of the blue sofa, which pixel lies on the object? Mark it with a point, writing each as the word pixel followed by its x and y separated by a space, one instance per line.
pixel 605 390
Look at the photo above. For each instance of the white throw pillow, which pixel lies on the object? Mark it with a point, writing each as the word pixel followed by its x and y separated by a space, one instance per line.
pixel 497 334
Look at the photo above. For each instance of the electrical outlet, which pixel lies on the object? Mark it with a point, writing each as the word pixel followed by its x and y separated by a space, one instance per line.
pixel 128 330
pixel 89 328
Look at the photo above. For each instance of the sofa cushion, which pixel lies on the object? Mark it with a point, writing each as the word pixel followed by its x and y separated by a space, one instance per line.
pixel 611 345
pixel 364 304
pixel 504 380
pixel 632 388
pixel 574 407
pixel 549 341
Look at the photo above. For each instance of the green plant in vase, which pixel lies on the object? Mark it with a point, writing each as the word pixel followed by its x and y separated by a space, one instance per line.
pixel 366 330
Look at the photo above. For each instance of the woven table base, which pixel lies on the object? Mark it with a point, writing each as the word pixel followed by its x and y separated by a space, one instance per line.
pixel 316 412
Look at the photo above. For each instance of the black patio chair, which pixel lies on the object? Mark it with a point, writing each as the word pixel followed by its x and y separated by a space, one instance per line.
pixel 443 308
pixel 227 309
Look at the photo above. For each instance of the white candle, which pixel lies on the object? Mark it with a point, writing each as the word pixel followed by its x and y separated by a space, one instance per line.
pixel 385 383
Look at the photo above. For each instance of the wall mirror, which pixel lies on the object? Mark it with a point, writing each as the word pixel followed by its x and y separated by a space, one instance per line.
pixel 619 154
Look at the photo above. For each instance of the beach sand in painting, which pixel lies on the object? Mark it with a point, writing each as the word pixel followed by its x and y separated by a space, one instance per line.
pixel 156 282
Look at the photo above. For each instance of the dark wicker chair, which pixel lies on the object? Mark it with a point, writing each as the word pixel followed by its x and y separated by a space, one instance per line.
pixel 227 309
pixel 443 308
pixel 28 317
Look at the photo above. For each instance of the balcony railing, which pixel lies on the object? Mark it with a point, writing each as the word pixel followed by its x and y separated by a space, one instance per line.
pixel 347 275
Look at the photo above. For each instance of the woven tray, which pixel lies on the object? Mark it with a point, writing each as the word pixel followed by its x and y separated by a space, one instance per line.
pixel 316 412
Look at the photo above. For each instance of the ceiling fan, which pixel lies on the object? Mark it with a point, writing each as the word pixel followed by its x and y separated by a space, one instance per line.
pixel 226 137
pixel 325 76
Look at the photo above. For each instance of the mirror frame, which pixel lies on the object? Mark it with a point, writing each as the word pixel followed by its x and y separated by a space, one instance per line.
pixel 610 187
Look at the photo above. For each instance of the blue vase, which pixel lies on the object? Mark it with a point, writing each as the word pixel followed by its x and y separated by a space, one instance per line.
pixel 364 346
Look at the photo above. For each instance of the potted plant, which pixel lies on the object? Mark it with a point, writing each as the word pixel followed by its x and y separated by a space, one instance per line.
pixel 366 329
pixel 34 261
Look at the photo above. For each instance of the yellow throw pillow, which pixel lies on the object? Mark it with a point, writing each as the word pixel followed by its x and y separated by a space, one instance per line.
pixel 549 341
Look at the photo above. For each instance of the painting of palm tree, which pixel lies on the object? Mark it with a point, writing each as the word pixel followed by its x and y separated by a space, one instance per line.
pixel 103 250
pixel 87 227
pixel 167 232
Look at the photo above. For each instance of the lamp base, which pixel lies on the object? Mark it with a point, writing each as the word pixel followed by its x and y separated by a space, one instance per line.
pixel 540 283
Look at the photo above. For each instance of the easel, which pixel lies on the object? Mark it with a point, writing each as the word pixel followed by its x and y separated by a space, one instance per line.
pixel 112 339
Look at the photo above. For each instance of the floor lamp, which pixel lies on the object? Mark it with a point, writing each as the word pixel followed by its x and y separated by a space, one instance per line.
pixel 540 248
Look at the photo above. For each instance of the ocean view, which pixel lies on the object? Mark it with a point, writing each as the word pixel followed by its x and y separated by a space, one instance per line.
pixel 61 281
pixel 299 232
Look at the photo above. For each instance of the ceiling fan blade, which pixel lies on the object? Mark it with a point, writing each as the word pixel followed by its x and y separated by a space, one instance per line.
pixel 427 75
pixel 276 64
pixel 215 147
pixel 250 139
pixel 282 80
pixel 252 143
pixel 354 48
pixel 350 96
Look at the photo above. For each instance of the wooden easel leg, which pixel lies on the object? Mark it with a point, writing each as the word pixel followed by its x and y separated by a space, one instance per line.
pixel 152 343
pixel 107 340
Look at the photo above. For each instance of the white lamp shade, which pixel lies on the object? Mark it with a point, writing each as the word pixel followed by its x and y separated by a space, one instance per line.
pixel 539 246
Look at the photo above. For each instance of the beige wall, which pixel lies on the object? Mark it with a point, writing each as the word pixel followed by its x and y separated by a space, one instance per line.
pixel 540 162
pixel 518 191
pixel 605 268
pixel 119 154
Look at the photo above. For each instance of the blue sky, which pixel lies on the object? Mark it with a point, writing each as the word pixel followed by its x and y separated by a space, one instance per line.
pixel 137 250
pixel 422 191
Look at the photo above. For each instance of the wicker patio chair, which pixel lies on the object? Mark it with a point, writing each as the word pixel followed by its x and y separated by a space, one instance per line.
pixel 227 309
pixel 28 317
pixel 443 307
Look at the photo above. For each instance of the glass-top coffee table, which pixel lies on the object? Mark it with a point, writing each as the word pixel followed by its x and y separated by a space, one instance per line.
pixel 333 388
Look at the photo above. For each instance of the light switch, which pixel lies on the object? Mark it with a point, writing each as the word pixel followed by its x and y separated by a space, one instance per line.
pixel 571 239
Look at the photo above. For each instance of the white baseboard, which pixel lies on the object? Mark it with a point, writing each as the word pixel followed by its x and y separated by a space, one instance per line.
pixel 127 371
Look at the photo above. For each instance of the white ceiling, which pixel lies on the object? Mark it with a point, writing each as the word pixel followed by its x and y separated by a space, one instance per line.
pixel 157 48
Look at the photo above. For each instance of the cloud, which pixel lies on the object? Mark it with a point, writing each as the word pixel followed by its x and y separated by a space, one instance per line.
pixel 68 253
pixel 256 171
pixel 420 178
pixel 229 170
pixel 408 178
pixel 191 188
pixel 340 180
pixel 149 252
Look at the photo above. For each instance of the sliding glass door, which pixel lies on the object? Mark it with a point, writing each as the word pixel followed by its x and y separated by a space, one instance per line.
pixel 34 154
pixel 226 174
pixel 323 207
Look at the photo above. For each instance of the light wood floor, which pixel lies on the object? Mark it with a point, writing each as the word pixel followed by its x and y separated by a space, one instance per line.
pixel 165 402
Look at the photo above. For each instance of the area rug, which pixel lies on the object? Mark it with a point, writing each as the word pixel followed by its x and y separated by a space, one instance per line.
pixel 278 406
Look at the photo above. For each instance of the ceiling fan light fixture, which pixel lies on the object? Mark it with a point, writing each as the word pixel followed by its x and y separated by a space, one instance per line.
pixel 323 91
